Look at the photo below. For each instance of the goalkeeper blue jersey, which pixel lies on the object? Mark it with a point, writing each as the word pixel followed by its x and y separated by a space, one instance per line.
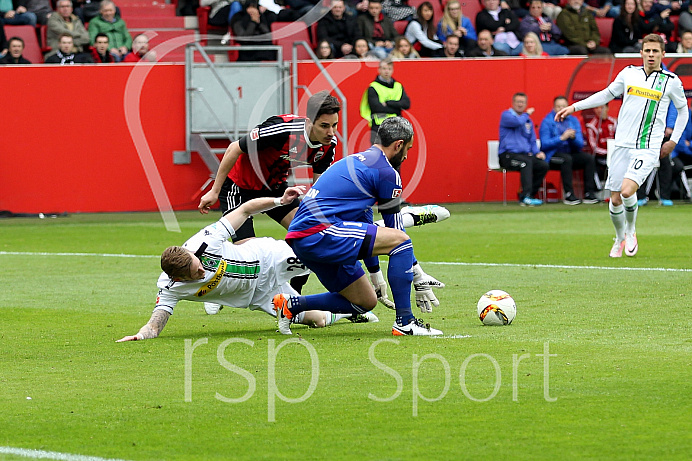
pixel 346 191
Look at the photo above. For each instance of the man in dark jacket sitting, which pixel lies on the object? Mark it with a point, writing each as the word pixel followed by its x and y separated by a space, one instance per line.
pixel 339 29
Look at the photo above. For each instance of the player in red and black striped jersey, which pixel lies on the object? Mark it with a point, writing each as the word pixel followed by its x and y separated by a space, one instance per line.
pixel 257 165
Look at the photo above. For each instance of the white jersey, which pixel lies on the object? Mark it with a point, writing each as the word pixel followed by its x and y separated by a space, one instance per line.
pixel 645 101
pixel 245 275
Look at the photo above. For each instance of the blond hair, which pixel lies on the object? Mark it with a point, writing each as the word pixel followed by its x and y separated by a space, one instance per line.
pixel 448 21
pixel 539 47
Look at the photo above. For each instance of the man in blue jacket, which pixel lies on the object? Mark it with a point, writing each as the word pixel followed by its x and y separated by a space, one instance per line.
pixel 562 143
pixel 518 150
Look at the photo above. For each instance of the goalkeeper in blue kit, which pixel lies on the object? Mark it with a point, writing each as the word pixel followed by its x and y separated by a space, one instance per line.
pixel 333 229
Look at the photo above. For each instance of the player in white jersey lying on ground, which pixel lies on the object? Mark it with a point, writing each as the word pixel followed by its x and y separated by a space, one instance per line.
pixel 209 267
pixel 410 216
pixel 646 92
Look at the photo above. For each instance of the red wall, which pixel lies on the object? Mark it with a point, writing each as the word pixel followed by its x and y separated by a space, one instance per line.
pixel 76 138
pixel 67 145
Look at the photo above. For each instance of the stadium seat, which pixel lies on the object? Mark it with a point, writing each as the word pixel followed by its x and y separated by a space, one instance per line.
pixel 44 39
pixel 285 34
pixel 400 27
pixel 675 37
pixel 32 50
pixel 470 8
pixel 203 24
pixel 605 28
pixel 494 165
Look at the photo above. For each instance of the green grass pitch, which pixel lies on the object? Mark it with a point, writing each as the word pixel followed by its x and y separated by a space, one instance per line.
pixel 597 364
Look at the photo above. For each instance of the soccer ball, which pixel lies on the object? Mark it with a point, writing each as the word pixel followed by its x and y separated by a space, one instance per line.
pixel 496 307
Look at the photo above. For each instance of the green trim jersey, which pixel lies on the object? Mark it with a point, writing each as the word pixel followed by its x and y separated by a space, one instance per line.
pixel 245 275
pixel 645 101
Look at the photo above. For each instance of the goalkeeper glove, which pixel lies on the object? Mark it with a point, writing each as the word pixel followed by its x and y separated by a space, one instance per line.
pixel 425 299
pixel 423 284
pixel 380 287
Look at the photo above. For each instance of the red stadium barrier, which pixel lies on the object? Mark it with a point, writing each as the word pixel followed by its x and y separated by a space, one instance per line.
pixel 88 157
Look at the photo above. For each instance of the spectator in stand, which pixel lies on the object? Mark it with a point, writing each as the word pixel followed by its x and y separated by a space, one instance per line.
pixel 422 30
pixel 685 22
pixel 599 129
pixel 403 50
pixel 324 50
pixel 377 29
pixel 140 50
pixel 552 8
pixel 3 40
pixel 657 21
pixel 518 150
pixel 541 25
pixel 65 55
pixel 15 48
pixel 685 45
pixel 485 48
pixel 339 29
pixel 86 10
pixel 112 25
pixel 356 7
pixel 518 7
pixel 14 13
pixel 627 29
pixel 277 12
pixel 221 11
pixel 398 10
pixel 450 48
pixel 302 7
pixel 41 8
pixel 579 29
pixel 562 143
pixel 532 46
pixel 100 53
pixel 251 23
pixel 503 24
pixel 66 22
pixel 362 51
pixel 675 6
pixel 384 98
pixel 602 8
pixel 455 23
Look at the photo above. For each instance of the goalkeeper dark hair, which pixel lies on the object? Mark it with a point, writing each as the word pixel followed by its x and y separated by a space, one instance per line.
pixel 322 103
pixel 394 129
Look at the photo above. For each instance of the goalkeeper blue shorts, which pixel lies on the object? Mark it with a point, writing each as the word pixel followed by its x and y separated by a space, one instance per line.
pixel 333 254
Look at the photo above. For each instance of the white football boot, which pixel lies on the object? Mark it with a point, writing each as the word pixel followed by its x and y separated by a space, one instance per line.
pixel 415 328
pixel 212 308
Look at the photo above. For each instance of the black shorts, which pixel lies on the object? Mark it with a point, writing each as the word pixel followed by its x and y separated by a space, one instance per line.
pixel 232 196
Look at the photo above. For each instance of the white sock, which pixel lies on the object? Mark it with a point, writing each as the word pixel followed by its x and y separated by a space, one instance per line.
pixel 407 220
pixel 631 208
pixel 617 215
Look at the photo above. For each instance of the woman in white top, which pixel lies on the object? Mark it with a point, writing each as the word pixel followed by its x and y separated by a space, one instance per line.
pixel 422 30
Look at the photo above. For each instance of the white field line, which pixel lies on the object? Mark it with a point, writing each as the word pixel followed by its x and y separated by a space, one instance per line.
pixel 101 255
pixel 442 263
pixel 40 454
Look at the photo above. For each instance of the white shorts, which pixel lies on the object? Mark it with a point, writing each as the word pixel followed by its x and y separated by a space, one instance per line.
pixel 634 164
pixel 280 266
